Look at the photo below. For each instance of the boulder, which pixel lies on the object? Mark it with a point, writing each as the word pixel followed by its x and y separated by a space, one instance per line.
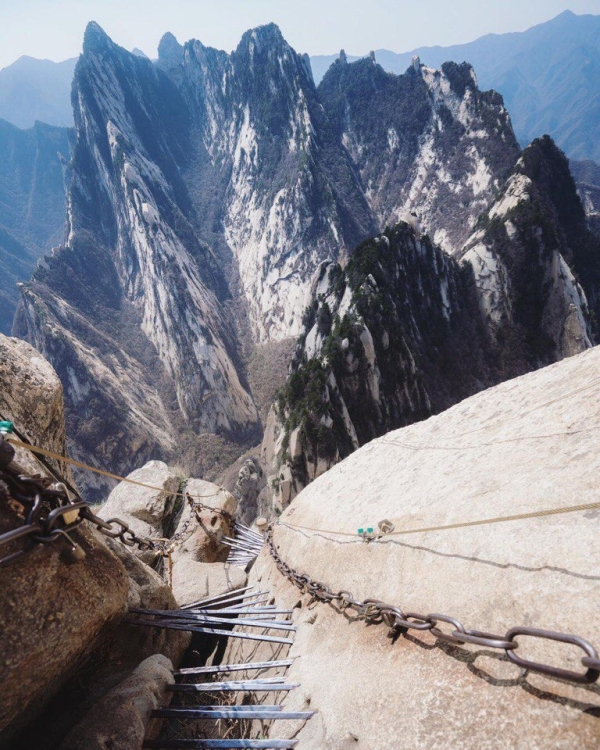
pixel 197 564
pixel 53 616
pixel 119 720
pixel 149 513
pixel 198 567
pixel 63 645
pixel 525 446
pixel 193 580
pixel 31 396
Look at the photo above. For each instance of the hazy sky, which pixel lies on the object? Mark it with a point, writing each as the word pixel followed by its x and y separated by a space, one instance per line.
pixel 54 28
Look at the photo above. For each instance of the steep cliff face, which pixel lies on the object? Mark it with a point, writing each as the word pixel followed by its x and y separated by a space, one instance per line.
pixel 32 204
pixel 202 187
pixel 587 178
pixel 131 309
pixel 427 142
pixel 405 331
pixel 269 174
pixel 389 340
pixel 537 266
pixel 206 190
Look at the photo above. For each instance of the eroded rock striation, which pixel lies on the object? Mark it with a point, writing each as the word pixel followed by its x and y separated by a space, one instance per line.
pixel 427 142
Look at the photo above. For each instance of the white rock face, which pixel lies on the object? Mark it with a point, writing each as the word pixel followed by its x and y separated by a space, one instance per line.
pixel 527 445
pixel 491 252
pixel 445 186
pixel 143 509
pixel 276 217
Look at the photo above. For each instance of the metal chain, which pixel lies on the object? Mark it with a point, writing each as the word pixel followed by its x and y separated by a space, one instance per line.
pixel 187 529
pixel 399 621
pixel 52 510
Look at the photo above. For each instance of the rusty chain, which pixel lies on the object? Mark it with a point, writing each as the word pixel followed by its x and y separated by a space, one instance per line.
pixel 51 510
pixel 399 621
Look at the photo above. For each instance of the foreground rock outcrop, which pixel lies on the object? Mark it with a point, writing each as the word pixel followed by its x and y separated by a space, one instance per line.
pixel 119 720
pixel 530 444
pixel 64 646
pixel 43 600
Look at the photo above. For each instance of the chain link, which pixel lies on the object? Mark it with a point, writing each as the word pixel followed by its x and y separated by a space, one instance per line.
pixel 52 509
pixel 375 611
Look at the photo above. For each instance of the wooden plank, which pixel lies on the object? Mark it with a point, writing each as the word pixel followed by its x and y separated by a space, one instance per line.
pixel 224 713
pixel 222 744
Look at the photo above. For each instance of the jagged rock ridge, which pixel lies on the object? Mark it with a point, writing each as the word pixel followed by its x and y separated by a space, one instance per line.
pixel 206 190
pixel 427 142
pixel 404 331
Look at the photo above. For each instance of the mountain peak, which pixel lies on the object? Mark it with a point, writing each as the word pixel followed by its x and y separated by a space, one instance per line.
pixel 268 35
pixel 269 31
pixel 170 52
pixel 95 38
pixel 566 14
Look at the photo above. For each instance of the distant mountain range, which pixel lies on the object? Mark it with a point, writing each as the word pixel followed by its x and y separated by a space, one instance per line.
pixel 32 89
pixel 549 77
pixel 32 204
pixel 216 206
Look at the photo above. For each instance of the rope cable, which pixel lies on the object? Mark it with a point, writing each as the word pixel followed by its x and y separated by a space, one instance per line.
pixel 462 525
pixel 110 475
